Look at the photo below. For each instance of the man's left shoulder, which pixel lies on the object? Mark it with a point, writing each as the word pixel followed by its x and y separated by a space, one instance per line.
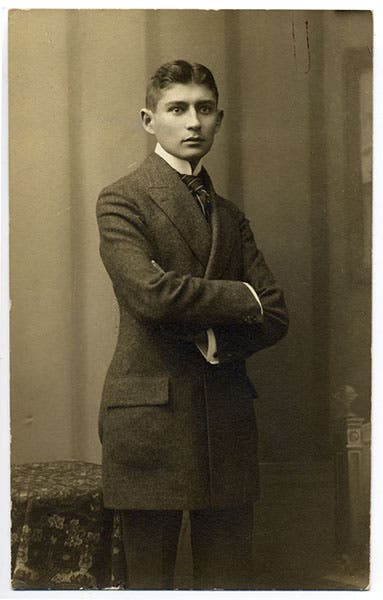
pixel 230 207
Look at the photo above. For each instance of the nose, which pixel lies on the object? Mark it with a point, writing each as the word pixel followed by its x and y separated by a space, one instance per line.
pixel 193 121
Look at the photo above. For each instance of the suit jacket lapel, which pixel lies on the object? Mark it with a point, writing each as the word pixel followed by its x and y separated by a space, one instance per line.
pixel 222 236
pixel 175 200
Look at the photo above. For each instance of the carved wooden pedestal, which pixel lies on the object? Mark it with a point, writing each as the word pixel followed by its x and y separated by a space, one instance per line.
pixel 351 437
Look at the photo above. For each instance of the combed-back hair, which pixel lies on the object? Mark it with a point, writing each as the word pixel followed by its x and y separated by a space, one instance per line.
pixel 179 71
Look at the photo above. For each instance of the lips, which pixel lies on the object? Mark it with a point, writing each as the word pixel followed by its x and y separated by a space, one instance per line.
pixel 194 139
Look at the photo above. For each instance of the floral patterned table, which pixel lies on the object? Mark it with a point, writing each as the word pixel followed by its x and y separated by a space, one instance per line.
pixel 62 537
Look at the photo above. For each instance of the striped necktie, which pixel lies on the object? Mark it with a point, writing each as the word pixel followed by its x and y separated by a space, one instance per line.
pixel 197 188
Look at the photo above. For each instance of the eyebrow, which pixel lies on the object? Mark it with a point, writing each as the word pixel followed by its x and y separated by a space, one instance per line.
pixel 183 103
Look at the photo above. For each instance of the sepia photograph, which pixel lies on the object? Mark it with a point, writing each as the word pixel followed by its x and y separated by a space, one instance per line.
pixel 190 251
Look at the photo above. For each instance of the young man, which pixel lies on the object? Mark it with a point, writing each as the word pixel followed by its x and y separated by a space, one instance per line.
pixel 196 299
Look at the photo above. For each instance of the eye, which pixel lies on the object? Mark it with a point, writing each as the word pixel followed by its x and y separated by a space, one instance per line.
pixel 175 110
pixel 206 109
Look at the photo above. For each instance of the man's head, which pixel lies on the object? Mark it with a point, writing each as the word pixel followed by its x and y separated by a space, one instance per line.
pixel 178 71
pixel 182 109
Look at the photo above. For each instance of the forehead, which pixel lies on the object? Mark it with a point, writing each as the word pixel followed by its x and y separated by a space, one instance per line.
pixel 186 92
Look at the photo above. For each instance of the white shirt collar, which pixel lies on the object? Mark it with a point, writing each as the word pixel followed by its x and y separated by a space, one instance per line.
pixel 179 164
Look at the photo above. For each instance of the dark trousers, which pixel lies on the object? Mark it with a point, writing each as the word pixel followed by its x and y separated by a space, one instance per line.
pixel 221 542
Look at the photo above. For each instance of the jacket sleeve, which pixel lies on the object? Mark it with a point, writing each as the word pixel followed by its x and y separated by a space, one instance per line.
pixel 235 342
pixel 158 298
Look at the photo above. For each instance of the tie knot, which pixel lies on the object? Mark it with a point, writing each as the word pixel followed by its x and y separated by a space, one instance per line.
pixel 195 183
pixel 197 187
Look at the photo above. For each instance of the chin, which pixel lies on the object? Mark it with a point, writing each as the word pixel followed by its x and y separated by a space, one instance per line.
pixel 196 155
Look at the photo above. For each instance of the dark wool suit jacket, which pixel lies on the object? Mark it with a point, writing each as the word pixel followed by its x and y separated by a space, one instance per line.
pixel 178 432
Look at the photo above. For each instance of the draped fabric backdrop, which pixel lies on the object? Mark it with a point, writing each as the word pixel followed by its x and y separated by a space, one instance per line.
pixel 77 81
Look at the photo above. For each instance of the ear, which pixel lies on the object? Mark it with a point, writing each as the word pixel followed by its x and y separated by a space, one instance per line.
pixel 147 120
pixel 219 120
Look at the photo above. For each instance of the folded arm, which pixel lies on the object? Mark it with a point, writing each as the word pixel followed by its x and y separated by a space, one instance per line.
pixel 239 341
pixel 157 298
pixel 207 341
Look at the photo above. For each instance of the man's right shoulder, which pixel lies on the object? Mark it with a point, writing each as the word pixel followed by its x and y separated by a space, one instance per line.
pixel 135 181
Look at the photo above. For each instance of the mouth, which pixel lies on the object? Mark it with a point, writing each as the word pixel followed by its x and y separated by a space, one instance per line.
pixel 194 138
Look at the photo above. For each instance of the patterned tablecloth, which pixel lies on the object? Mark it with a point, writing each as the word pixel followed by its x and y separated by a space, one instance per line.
pixel 62 537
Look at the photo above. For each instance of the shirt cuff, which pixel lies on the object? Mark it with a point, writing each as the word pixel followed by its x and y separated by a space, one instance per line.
pixel 252 290
pixel 209 350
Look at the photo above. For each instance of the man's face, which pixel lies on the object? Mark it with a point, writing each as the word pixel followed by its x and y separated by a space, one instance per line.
pixel 185 121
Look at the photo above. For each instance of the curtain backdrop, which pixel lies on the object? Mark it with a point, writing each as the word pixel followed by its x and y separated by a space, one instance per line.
pixel 76 85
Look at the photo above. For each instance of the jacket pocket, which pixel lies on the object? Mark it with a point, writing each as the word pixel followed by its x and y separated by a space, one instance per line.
pixel 136 390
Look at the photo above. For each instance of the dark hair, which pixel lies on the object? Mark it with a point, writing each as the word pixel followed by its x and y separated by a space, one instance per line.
pixel 179 71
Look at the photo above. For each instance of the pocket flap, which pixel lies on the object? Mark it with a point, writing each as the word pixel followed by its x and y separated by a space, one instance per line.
pixel 137 390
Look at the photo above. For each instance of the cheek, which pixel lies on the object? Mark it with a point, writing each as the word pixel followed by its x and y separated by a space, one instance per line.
pixel 167 130
pixel 211 132
pixel 211 127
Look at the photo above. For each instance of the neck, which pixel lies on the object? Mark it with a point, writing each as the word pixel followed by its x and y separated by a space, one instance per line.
pixel 187 167
pixel 193 163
